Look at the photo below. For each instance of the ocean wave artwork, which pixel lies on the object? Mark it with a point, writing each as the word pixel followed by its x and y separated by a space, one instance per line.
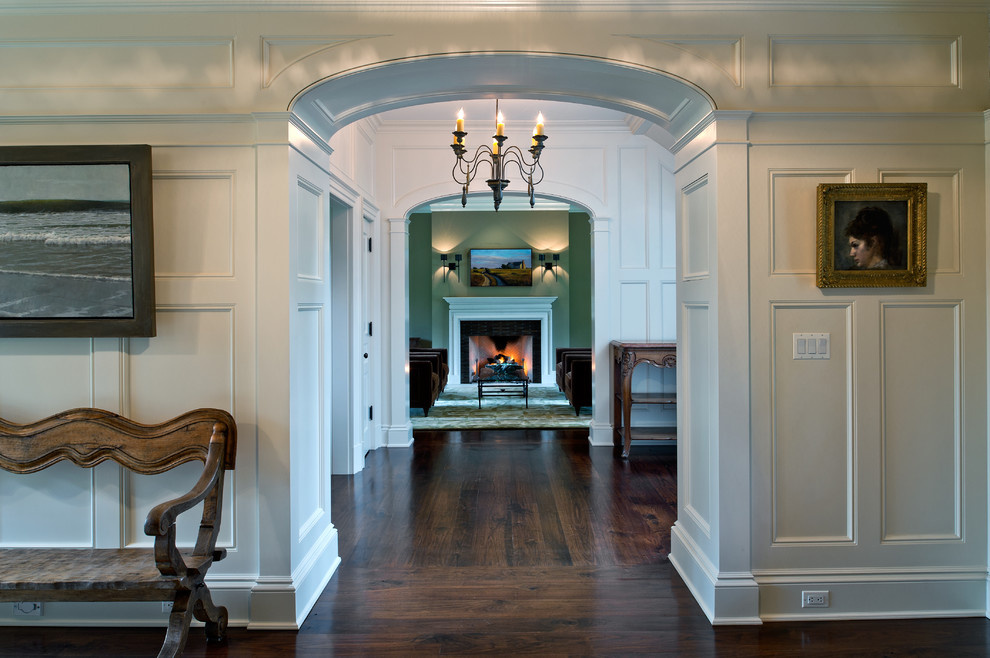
pixel 65 257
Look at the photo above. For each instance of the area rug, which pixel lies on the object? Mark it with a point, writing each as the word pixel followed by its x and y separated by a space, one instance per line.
pixel 457 408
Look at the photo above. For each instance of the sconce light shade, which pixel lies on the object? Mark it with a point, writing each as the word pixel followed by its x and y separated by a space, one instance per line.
pixel 551 264
pixel 448 266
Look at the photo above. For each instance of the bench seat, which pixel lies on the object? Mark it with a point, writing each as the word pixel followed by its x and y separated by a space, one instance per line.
pixel 96 574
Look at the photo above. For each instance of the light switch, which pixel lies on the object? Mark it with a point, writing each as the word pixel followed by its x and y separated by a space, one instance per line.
pixel 812 346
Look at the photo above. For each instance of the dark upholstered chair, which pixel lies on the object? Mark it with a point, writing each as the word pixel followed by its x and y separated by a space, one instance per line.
pixel 440 353
pixel 564 354
pixel 424 385
pixel 577 383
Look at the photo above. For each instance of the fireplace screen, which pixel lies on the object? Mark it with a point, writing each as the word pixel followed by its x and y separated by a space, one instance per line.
pixel 500 356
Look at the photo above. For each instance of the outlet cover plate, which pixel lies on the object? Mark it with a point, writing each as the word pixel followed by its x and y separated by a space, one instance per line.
pixel 27 609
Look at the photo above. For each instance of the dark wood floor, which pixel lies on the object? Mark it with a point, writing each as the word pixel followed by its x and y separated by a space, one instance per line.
pixel 515 543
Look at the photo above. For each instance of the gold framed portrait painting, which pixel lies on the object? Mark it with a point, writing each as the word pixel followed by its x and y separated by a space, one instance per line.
pixel 872 235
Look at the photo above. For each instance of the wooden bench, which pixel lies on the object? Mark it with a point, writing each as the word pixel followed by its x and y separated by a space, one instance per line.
pixel 88 437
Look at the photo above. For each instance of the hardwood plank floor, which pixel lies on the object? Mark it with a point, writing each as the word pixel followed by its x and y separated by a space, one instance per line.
pixel 515 543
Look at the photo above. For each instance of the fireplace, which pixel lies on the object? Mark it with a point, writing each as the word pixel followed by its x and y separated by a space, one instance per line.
pixel 488 339
pixel 500 356
pixel 525 320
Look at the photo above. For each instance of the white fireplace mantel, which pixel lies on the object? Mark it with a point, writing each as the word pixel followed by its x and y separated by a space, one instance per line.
pixel 501 308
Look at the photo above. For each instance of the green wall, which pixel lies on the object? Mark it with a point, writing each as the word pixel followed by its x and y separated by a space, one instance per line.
pixel 420 284
pixel 580 275
pixel 544 231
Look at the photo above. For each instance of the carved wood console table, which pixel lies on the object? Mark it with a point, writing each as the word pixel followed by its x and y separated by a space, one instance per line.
pixel 626 356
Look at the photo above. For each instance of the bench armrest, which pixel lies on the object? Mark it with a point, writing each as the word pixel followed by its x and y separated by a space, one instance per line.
pixel 160 523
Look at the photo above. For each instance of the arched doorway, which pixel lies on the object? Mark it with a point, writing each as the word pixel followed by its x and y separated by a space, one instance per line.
pixel 656 101
pixel 712 169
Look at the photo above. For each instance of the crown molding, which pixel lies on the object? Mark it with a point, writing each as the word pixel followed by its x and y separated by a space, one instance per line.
pixel 38 7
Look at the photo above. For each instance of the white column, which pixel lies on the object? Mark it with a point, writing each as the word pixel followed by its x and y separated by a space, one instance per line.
pixel 600 433
pixel 711 540
pixel 273 598
pixel 398 432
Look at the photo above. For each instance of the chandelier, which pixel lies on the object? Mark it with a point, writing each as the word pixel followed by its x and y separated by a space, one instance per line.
pixel 497 158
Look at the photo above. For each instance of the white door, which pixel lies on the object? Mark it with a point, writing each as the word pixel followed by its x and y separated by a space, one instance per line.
pixel 367 339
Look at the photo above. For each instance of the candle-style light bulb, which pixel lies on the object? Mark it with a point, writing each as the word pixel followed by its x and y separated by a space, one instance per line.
pixel 539 124
pixel 460 120
pixel 500 125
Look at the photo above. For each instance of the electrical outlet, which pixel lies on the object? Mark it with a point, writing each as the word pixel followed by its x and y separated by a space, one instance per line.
pixel 167 607
pixel 27 609
pixel 814 599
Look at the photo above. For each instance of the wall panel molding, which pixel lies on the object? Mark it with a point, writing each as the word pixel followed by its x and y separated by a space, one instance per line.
pixel 199 203
pixel 813 476
pixel 311 204
pixel 310 489
pixel 945 225
pixel 695 415
pixel 634 225
pixel 724 52
pixel 867 61
pixel 921 360
pixel 202 63
pixel 278 53
pixel 634 310
pixel 696 213
pixel 793 199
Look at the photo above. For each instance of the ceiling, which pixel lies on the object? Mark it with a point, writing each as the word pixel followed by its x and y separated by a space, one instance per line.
pixel 516 111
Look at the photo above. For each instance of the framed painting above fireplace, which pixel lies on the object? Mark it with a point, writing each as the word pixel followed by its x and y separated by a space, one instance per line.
pixel 501 267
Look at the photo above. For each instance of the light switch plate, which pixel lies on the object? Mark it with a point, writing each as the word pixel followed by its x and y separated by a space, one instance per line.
pixel 812 346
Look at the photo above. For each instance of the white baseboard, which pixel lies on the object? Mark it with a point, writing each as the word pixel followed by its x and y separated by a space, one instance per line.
pixel 725 598
pixel 600 434
pixel 398 436
pixel 314 572
pixel 875 593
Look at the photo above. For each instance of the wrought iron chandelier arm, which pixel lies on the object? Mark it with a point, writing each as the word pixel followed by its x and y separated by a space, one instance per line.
pixel 514 155
pixel 469 167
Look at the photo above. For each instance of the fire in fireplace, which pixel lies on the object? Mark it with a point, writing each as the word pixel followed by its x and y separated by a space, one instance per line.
pixel 503 356
pixel 509 331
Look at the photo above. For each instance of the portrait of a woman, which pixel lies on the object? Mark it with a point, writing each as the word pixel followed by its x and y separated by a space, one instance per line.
pixel 870 235
pixel 872 243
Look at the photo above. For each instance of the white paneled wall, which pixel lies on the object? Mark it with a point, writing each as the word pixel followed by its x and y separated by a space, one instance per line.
pixel 202 356
pixel 864 463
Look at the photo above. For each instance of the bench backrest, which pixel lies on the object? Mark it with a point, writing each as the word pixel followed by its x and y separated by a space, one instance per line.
pixel 88 437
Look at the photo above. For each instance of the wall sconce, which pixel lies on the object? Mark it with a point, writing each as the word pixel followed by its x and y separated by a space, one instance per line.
pixel 449 267
pixel 549 266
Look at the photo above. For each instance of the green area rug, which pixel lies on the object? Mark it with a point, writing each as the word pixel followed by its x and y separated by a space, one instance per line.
pixel 457 408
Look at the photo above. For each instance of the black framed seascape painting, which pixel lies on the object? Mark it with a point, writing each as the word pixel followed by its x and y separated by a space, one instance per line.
pixel 501 267
pixel 76 253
